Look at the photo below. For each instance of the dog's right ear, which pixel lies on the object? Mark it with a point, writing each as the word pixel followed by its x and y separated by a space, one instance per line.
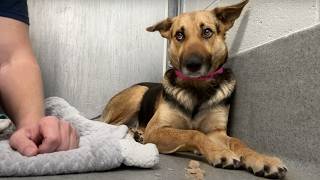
pixel 163 27
pixel 227 15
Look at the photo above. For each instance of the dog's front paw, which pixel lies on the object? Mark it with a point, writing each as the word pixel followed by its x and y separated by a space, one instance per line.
pixel 264 166
pixel 224 159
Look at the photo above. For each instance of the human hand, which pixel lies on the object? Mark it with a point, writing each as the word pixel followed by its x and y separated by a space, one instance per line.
pixel 48 135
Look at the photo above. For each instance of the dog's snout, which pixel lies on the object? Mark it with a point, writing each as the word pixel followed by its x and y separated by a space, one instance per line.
pixel 193 63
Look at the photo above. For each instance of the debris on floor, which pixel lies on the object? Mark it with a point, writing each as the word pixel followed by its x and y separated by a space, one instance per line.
pixel 194 172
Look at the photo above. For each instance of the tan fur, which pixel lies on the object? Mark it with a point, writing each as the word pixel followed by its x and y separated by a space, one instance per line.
pixel 172 130
pixel 180 94
pixel 124 106
pixel 226 90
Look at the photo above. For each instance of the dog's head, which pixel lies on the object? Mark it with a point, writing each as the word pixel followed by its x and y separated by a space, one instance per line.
pixel 197 39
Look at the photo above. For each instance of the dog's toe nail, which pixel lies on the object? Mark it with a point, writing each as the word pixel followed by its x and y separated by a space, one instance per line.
pixel 281 170
pixel 230 166
pixel 236 163
pixel 250 169
pixel 242 167
pixel 266 168
pixel 285 169
pixel 273 176
pixel 218 165
pixel 223 160
pixel 259 173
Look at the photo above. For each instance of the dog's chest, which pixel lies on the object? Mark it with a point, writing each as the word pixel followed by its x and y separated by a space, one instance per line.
pixel 198 115
pixel 209 117
pixel 194 105
pixel 201 104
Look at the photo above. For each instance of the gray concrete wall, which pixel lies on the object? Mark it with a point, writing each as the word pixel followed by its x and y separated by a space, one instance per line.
pixel 276 105
pixel 89 50
pixel 264 20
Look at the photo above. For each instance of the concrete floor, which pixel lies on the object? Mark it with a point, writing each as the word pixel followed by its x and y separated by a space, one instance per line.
pixel 172 167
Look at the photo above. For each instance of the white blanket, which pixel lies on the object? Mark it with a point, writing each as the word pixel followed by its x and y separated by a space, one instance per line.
pixel 102 147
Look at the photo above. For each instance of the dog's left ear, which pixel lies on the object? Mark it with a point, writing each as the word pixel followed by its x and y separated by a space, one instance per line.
pixel 227 15
pixel 163 27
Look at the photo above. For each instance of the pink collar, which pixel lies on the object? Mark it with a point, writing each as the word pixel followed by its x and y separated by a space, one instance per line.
pixel 209 76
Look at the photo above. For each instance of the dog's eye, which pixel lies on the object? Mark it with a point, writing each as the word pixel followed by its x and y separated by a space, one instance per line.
pixel 207 33
pixel 179 36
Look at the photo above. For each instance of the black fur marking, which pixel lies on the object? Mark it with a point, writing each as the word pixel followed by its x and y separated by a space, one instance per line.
pixel 147 106
pixel 218 28
pixel 171 77
pixel 227 100
pixel 273 176
pixel 174 102
pixel 266 168
pixel 195 110
pixel 250 169
pixel 231 114
pixel 259 173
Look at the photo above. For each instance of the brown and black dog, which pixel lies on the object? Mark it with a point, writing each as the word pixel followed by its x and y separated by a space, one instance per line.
pixel 189 110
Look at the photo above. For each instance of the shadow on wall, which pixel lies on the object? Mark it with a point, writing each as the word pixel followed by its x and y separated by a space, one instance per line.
pixel 235 46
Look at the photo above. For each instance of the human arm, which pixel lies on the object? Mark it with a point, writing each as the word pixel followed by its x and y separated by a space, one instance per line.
pixel 21 94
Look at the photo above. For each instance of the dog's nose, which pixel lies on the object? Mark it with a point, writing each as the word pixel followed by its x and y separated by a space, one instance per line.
pixel 193 63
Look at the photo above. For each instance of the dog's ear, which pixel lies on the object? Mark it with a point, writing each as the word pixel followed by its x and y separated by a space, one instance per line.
pixel 227 15
pixel 163 27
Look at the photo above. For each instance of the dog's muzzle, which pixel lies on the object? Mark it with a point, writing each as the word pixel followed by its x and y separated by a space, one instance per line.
pixel 195 65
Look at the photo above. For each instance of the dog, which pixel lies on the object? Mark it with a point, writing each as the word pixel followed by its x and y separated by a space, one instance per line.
pixel 189 110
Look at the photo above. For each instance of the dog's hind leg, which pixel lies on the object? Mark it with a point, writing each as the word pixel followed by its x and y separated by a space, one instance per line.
pixel 124 106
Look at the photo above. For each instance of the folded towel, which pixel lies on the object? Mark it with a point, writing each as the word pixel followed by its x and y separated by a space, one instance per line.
pixel 102 147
